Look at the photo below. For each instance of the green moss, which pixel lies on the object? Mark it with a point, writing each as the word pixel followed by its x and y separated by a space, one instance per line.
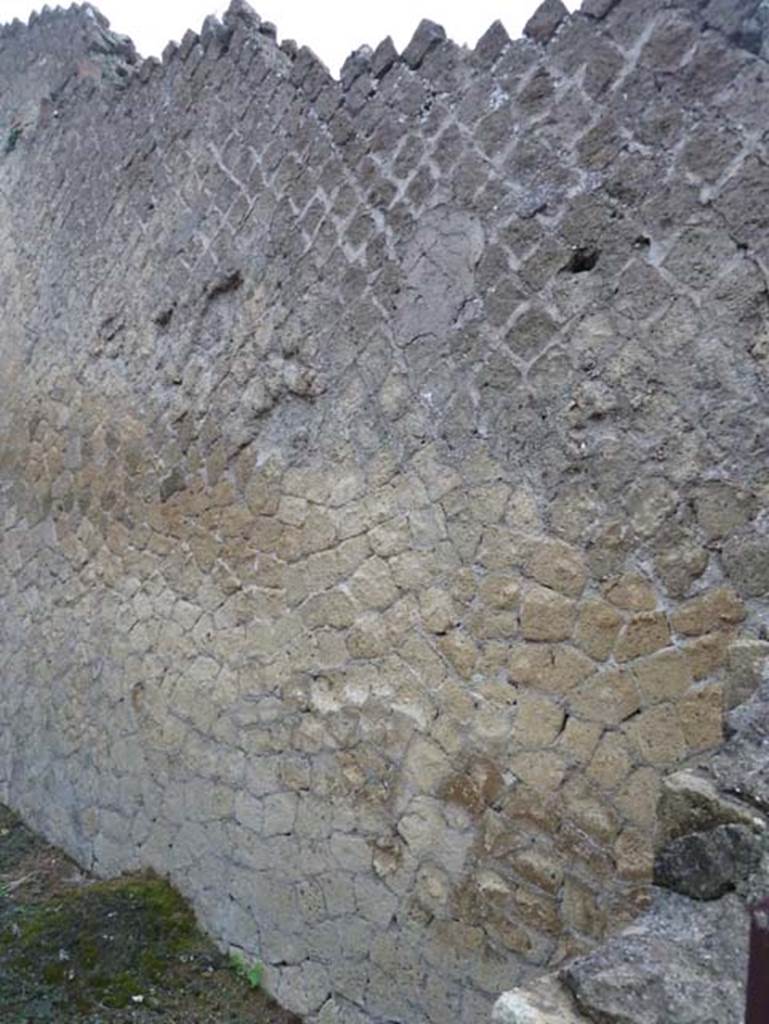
pixel 81 952
pixel 103 944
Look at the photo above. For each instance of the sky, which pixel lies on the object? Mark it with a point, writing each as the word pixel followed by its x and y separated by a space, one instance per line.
pixel 332 28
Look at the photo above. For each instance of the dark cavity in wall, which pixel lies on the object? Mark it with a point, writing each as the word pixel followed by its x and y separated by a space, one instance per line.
pixel 582 260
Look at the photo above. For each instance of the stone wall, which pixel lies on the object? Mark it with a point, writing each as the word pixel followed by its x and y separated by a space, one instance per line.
pixel 384 477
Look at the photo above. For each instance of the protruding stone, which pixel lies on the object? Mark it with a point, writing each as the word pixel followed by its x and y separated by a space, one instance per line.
pixel 427 36
pixel 357 64
pixel 383 58
pixel 543 24
pixel 706 865
pixel 546 1002
pixel 680 957
pixel 239 10
pixel 690 803
pixel 491 44
pixel 189 41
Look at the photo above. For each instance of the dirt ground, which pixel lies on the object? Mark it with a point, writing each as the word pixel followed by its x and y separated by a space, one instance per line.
pixel 128 951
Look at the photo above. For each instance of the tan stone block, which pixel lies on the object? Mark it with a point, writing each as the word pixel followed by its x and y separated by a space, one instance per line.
pixel 400 618
pixel 539 866
pixel 634 855
pixel 590 813
pixel 579 740
pixel 488 624
pixel 611 762
pixel 346 484
pixel 487 504
pixel 307 483
pixel 437 477
pixel 476 787
pixel 645 633
pixel 352 520
pixel 715 609
pixel 368 638
pixel 317 532
pixel 426 664
pixel 542 769
pixel 598 627
pixel 707 654
pixel 662 676
pixel 538 720
pixel 313 575
pixel 609 697
pixel 499 591
pixel 631 592
pixel 438 612
pixel 701 714
pixel 464 586
pixel 537 910
pixel 426 765
pixel 292 511
pixel 527 807
pixel 461 651
pixel 332 608
pixel 581 909
pixel 510 935
pixel 451 732
pixel 414 570
pixel 465 537
pixel 657 736
pixel 529 662
pixel 501 548
pixel 492 663
pixel 348 555
pixel 557 565
pixel 390 538
pixel 372 585
pixel 568 667
pixel 427 526
pixel 637 799
pixel 582 852
pixel 547 615
pixel 498 837
pixel 263 495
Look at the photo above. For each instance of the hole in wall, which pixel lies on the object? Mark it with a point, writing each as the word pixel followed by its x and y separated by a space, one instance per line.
pixel 583 259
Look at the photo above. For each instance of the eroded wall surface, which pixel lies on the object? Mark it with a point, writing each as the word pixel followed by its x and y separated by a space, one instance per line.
pixel 384 475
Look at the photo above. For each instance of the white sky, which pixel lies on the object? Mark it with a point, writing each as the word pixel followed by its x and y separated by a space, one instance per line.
pixel 332 28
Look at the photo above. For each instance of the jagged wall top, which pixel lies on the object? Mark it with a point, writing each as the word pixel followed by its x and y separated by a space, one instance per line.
pixel 81 33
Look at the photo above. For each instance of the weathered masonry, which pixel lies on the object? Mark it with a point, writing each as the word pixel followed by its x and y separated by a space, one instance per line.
pixel 384 475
